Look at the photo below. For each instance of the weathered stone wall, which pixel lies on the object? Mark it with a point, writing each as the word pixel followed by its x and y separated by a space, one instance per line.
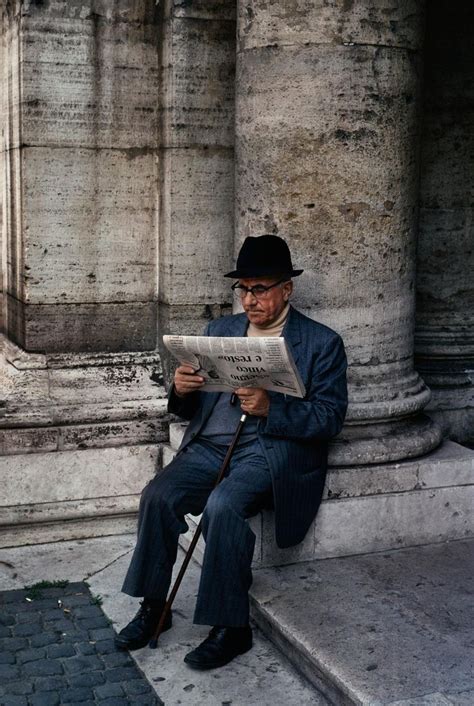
pixel 327 100
pixel 445 267
pixel 197 60
pixel 82 158
pixel 119 219
pixel 2 169
pixel 82 420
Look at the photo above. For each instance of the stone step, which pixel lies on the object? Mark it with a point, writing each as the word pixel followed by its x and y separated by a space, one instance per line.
pixel 355 625
pixel 387 628
pixel 72 494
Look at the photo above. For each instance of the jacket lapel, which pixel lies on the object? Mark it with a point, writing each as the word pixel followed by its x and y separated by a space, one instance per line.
pixel 238 326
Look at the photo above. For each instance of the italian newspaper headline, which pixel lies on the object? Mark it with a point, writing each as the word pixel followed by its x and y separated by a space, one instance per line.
pixel 227 363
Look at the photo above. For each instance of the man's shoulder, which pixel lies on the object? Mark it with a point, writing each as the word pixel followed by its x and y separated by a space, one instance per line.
pixel 315 329
pixel 226 325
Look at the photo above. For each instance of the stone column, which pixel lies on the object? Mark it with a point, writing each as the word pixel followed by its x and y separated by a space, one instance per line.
pixel 444 341
pixel 2 170
pixel 327 101
pixel 81 144
pixel 197 57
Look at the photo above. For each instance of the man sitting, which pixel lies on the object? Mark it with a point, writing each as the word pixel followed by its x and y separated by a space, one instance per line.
pixel 280 461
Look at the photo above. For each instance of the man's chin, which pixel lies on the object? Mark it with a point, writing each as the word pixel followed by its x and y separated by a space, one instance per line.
pixel 256 317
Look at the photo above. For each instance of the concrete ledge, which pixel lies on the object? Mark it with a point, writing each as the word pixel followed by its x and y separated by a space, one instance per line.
pixel 450 464
pixel 365 525
pixel 375 508
pixel 126 432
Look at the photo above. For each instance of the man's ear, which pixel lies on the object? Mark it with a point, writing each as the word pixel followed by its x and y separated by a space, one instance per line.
pixel 287 290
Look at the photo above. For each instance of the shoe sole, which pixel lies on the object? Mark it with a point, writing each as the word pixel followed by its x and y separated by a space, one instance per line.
pixel 215 665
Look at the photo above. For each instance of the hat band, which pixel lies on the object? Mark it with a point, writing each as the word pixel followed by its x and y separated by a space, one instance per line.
pixel 263 272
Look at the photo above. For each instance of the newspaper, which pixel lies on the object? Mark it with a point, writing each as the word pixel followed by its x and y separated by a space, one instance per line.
pixel 227 363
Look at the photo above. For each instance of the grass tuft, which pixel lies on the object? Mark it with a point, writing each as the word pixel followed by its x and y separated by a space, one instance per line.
pixel 35 590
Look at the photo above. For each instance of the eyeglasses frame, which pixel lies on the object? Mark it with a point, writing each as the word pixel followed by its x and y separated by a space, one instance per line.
pixel 246 290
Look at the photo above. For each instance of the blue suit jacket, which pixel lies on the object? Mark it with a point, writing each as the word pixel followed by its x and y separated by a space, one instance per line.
pixel 295 434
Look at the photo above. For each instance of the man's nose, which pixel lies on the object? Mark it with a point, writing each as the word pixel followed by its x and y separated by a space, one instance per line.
pixel 249 291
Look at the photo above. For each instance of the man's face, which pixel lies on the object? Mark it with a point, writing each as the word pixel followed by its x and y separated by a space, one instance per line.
pixel 267 308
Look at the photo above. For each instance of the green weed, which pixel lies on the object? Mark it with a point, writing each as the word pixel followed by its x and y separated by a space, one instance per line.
pixel 35 591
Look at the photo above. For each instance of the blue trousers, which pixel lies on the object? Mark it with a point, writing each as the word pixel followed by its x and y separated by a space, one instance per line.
pixel 185 486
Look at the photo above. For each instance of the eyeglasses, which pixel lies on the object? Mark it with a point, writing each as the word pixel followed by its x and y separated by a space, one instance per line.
pixel 259 291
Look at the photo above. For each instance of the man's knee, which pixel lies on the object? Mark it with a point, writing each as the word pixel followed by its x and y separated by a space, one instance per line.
pixel 219 505
pixel 156 496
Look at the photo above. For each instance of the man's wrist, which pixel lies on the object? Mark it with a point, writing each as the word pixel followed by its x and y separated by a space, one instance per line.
pixel 178 394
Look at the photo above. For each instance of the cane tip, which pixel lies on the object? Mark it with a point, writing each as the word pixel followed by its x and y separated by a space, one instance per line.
pixel 153 644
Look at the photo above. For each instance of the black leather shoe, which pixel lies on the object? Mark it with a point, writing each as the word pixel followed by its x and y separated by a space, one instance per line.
pixel 139 631
pixel 220 647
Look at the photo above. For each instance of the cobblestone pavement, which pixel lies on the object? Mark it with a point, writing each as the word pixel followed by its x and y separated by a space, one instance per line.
pixel 260 677
pixel 56 647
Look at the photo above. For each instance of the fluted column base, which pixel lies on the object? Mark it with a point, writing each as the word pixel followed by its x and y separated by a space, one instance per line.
pixel 360 444
pixel 385 422
pixel 446 362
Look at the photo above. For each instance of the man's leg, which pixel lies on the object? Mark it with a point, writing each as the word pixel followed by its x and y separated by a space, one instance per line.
pixel 182 487
pixel 226 572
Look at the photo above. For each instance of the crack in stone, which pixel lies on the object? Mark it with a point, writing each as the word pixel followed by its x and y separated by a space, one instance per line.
pixel 348 43
pixel 93 574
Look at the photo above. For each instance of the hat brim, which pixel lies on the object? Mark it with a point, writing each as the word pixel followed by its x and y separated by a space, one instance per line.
pixel 248 272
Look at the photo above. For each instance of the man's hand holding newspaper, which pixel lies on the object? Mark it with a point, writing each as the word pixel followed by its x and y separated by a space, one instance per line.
pixel 253 400
pixel 246 366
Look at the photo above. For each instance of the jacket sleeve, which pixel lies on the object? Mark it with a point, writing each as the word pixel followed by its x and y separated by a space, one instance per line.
pixel 321 414
pixel 185 407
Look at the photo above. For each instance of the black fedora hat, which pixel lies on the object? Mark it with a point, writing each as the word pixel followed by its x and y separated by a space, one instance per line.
pixel 264 256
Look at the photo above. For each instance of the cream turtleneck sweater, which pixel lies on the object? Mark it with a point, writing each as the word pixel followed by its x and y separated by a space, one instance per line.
pixel 224 417
pixel 274 329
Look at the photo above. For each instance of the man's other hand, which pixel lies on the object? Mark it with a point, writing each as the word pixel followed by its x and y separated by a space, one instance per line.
pixel 253 400
pixel 186 380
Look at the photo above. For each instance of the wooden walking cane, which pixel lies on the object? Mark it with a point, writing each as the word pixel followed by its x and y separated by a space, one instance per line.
pixel 154 640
